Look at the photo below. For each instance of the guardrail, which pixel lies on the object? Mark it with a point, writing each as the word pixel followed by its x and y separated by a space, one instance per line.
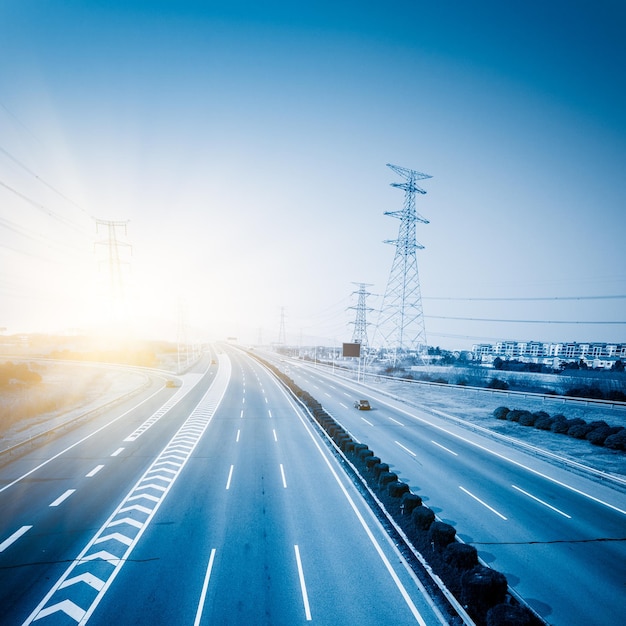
pixel 369 377
pixel 92 412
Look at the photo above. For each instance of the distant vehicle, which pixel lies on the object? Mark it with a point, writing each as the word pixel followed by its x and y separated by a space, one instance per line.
pixel 362 405
pixel 171 383
pixel 213 362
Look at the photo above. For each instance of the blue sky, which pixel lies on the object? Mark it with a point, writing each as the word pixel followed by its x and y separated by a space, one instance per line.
pixel 246 144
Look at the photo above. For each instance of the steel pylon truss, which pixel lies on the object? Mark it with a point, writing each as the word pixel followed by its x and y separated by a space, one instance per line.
pixel 359 335
pixel 400 325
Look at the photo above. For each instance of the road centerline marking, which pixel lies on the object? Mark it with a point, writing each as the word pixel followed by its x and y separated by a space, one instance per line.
pixel 62 497
pixel 14 537
pixel 530 495
pixel 444 448
pixel 471 495
pixel 406 449
pixel 94 471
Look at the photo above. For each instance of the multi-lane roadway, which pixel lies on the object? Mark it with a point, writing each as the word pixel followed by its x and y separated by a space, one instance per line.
pixel 212 503
pixel 558 536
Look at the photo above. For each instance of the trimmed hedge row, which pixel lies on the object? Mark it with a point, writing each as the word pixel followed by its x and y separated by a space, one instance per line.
pixel 599 433
pixel 482 591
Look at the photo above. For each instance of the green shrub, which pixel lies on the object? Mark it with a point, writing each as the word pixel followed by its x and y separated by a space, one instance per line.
pixel 371 461
pixel 544 423
pixel 527 418
pixel 461 556
pixel 422 517
pixel 559 425
pixel 579 431
pixel 364 454
pixel 511 615
pixel 496 383
pixel 409 502
pixel 379 468
pixel 514 415
pixel 397 488
pixel 482 588
pixel 501 412
pixel 616 441
pixel 598 435
pixel 441 534
pixel 385 478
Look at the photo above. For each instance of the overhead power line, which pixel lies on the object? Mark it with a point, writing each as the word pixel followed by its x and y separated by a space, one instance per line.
pixel 42 208
pixel 482 319
pixel 529 299
pixel 43 182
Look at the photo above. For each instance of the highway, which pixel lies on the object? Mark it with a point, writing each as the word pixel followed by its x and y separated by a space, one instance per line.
pixel 558 536
pixel 214 503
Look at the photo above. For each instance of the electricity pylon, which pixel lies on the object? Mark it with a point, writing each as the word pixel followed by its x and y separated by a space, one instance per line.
pixel 116 295
pixel 282 338
pixel 359 335
pixel 401 320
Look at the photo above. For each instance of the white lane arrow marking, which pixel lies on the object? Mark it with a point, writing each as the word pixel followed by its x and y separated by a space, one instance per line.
pixel 67 606
pixel 115 537
pixel 87 578
pixel 102 555
pixel 126 520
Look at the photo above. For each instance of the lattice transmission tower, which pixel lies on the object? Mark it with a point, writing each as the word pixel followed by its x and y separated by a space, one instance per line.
pixel 359 335
pixel 282 335
pixel 400 325
pixel 114 244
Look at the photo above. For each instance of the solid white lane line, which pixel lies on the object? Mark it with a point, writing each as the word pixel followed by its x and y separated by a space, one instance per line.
pixel 274 431
pixel 367 421
pixel 305 595
pixel 444 448
pixel 368 531
pixel 94 471
pixel 282 473
pixel 205 586
pixel 530 495
pixel 481 502
pixel 14 537
pixel 396 421
pixel 238 433
pixel 62 497
pixel 118 451
pixel 230 475
pixel 406 449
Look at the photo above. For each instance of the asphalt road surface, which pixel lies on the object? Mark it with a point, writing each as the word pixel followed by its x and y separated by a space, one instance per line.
pixel 213 503
pixel 558 536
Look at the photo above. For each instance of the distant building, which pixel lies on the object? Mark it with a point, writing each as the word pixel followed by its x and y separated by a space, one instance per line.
pixel 594 355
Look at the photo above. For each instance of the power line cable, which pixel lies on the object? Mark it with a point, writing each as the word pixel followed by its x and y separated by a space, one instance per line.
pixel 42 208
pixel 41 180
pixel 528 299
pixel 482 319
